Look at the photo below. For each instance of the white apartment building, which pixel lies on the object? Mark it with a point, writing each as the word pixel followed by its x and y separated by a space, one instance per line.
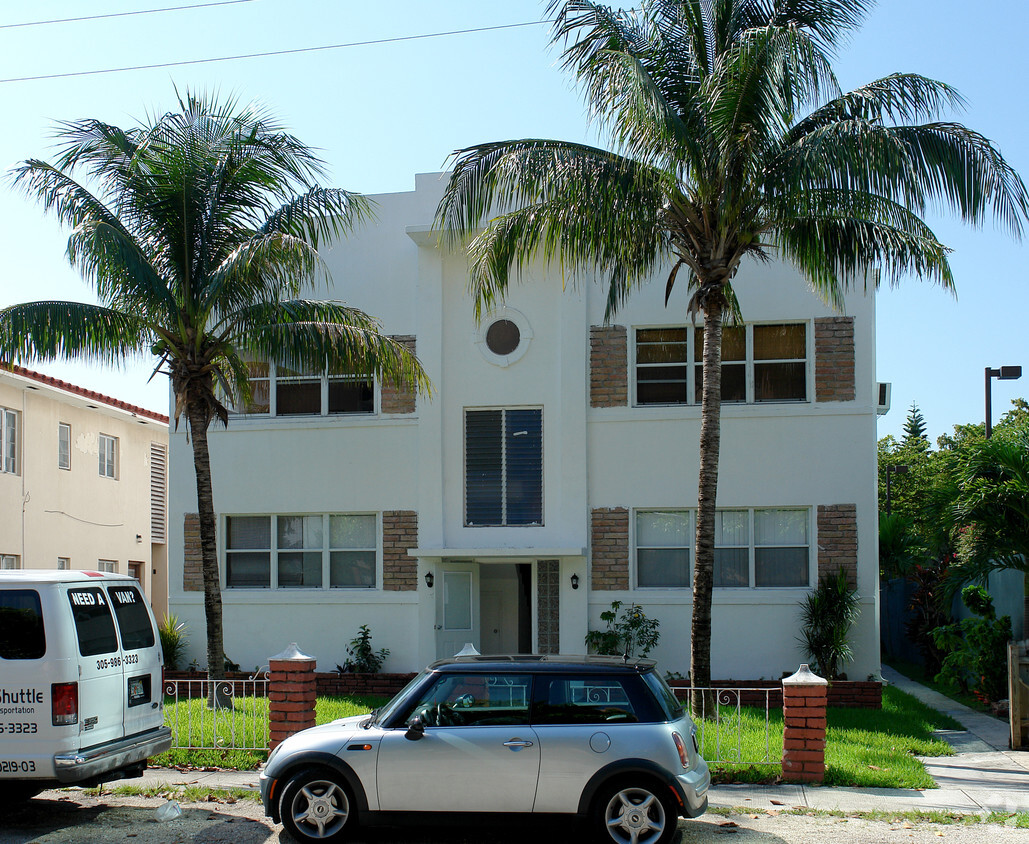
pixel 83 482
pixel 553 471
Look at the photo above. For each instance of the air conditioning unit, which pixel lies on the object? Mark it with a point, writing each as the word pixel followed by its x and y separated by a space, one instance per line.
pixel 882 401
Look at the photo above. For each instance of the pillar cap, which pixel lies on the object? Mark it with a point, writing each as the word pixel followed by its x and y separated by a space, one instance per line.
pixel 293 654
pixel 804 677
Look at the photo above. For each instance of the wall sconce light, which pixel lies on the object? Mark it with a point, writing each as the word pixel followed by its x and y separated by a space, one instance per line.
pixel 575 581
pixel 139 537
pixel 430 578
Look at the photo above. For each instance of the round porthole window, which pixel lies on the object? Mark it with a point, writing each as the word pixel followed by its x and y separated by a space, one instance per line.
pixel 503 337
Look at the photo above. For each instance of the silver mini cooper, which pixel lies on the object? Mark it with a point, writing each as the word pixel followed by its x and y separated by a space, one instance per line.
pixel 598 737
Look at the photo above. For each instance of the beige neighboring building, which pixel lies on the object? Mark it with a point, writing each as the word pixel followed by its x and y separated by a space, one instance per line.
pixel 83 482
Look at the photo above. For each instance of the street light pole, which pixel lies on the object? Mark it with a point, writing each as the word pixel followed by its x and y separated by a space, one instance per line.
pixel 1005 373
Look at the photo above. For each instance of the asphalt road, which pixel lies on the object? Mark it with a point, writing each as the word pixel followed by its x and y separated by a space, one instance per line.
pixel 70 817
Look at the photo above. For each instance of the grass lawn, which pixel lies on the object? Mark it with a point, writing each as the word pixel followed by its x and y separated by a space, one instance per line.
pixel 868 748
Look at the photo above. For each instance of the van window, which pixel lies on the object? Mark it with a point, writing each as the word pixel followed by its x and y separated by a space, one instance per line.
pixel 93 621
pixel 21 625
pixel 133 619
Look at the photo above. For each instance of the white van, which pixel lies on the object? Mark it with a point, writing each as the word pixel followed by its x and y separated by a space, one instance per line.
pixel 81 697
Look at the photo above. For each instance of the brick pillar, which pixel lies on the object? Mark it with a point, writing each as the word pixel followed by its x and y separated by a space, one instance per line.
pixel 803 714
pixel 291 694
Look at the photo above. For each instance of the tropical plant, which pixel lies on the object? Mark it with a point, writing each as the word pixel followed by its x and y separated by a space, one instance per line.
pixel 929 610
pixel 975 649
pixel 827 614
pixel 898 545
pixel 200 237
pixel 173 640
pixel 731 140
pixel 361 657
pixel 630 633
pixel 914 428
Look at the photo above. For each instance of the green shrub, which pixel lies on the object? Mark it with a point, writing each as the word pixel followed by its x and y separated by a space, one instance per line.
pixel 827 615
pixel 631 634
pixel 361 658
pixel 976 659
pixel 173 641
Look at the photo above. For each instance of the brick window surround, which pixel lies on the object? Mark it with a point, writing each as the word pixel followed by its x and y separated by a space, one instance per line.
pixel 394 398
pixel 192 563
pixel 609 541
pixel 834 359
pixel 837 541
pixel 609 366
pixel 399 534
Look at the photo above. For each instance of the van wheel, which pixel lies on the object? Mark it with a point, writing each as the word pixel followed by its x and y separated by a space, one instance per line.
pixel 635 812
pixel 317 806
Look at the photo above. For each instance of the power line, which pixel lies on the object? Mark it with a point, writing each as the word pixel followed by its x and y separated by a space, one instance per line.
pixel 269 53
pixel 123 14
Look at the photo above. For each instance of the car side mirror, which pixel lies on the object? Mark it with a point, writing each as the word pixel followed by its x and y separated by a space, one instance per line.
pixel 416 729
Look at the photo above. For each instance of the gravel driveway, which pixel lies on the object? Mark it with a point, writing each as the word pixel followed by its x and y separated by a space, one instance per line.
pixel 69 817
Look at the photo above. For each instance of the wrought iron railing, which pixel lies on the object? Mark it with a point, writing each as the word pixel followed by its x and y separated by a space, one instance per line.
pixel 729 725
pixel 208 714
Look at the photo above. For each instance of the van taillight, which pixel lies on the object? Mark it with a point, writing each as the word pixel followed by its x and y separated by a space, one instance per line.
pixel 64 703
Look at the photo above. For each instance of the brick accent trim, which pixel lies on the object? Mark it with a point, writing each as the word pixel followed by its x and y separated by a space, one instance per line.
pixel 394 398
pixel 548 595
pixel 399 534
pixel 837 540
pixel 609 542
pixel 192 558
pixel 834 359
pixel 609 366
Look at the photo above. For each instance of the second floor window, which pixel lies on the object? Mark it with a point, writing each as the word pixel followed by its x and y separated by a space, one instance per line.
pixel 63 446
pixel 760 363
pixel 504 467
pixel 108 448
pixel 9 434
pixel 278 390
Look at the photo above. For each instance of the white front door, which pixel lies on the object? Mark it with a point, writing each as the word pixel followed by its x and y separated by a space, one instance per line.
pixel 457 608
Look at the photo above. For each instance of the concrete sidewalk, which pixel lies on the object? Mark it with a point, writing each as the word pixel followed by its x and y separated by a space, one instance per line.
pixel 983 775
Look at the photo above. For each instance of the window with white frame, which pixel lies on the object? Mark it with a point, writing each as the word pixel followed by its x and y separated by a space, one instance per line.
pixel 504 467
pixel 110 566
pixel 10 561
pixel 760 363
pixel 279 390
pixel 63 563
pixel 9 434
pixel 63 446
pixel 663 548
pixel 763 547
pixel 108 450
pixel 301 551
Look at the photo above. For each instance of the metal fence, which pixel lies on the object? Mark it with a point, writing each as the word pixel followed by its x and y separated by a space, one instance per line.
pixel 734 727
pixel 218 714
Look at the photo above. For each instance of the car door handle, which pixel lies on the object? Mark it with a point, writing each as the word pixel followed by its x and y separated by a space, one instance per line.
pixel 517 744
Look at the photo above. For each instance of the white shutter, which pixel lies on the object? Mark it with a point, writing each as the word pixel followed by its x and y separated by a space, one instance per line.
pixel 158 491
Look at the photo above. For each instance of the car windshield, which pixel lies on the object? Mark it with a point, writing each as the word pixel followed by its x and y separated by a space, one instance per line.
pixel 383 712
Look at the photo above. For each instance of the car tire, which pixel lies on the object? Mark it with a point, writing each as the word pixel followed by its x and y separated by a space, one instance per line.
pixel 635 811
pixel 317 805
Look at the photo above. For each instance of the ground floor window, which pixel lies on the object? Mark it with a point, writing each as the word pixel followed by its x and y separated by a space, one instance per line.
pixel 766 547
pixel 107 566
pixel 10 561
pixel 301 551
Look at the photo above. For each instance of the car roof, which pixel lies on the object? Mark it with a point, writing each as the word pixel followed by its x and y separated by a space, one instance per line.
pixel 550 663
pixel 21 577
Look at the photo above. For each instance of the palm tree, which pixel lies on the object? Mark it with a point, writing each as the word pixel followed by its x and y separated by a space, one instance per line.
pixel 730 139
pixel 200 237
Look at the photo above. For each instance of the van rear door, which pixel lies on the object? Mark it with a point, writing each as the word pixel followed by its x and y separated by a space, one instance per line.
pixel 101 694
pixel 141 659
pixel 25 728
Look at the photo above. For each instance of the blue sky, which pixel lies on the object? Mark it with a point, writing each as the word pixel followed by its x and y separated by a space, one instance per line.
pixel 381 113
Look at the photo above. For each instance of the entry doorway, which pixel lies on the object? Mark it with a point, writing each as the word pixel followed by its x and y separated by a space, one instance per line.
pixel 488 605
pixel 505 591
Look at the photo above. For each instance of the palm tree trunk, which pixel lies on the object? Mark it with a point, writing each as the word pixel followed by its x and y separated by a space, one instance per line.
pixel 704 562
pixel 199 421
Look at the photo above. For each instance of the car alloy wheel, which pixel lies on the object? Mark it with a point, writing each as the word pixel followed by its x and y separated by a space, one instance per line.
pixel 315 807
pixel 636 814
